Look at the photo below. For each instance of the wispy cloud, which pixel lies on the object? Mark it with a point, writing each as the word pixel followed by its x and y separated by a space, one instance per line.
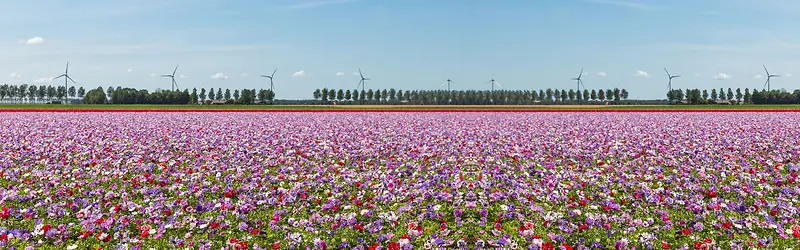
pixel 722 76
pixel 129 70
pixel 299 73
pixel 15 75
pixel 642 74
pixel 43 80
pixel 315 4
pixel 601 73
pixel 634 4
pixel 757 76
pixel 339 73
pixel 244 75
pixel 219 76
pixel 35 40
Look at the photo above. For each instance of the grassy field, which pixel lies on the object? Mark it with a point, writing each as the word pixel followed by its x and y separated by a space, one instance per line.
pixel 406 107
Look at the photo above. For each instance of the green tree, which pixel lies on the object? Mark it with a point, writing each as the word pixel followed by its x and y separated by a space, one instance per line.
pixel 370 94
pixel 392 94
pixel 593 95
pixel 81 92
pixel 601 95
pixel 41 92
pixel 324 94
pixel 747 96
pixel 193 96
pixel 738 95
pixel 571 95
pixel 616 94
pixel 227 94
pixel 549 95
pixel 730 94
pixel 202 94
pixel 236 94
pixel 348 95
pixel 331 94
pixel 219 94
pixel 95 96
pixel 317 94
pixel 586 95
pixel 609 94
pixel 705 95
pixel 355 95
pixel 32 93
pixel 71 92
pixel 714 94
pixel 340 95
pixel 624 94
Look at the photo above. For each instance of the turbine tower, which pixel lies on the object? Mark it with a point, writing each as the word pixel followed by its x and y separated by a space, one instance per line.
pixel 493 82
pixel 448 84
pixel 363 80
pixel 767 83
pixel 66 80
pixel 449 93
pixel 270 80
pixel 580 83
pixel 174 83
pixel 670 79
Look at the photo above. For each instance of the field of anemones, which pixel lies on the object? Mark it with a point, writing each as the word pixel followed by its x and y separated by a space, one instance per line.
pixel 399 180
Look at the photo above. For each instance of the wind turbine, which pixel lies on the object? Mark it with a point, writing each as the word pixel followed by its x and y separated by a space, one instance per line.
pixel 270 79
pixel 493 82
pixel 66 80
pixel 363 81
pixel 670 79
pixel 448 89
pixel 174 83
pixel 448 84
pixel 580 83
pixel 767 83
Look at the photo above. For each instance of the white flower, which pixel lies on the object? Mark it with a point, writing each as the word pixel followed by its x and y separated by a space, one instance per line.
pixel 71 247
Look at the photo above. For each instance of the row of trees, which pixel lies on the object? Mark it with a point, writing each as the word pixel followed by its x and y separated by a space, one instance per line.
pixel 468 97
pixel 25 93
pixel 121 95
pixel 697 96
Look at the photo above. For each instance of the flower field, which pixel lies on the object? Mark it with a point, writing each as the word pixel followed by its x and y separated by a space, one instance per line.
pixel 399 180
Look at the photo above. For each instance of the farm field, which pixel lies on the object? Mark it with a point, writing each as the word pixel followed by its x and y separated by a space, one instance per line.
pixel 389 180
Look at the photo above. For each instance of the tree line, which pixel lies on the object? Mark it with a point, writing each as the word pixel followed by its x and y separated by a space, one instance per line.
pixel 697 96
pixel 24 93
pixel 469 97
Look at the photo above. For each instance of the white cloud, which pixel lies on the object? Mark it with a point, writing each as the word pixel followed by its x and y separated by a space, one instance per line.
pixel 184 76
pixel 696 74
pixel 642 74
pixel 757 76
pixel 129 70
pixel 219 76
pixel 244 74
pixel 722 76
pixel 339 73
pixel 15 75
pixel 43 80
pixel 789 74
pixel 35 40
pixel 601 74
pixel 299 73
pixel 152 74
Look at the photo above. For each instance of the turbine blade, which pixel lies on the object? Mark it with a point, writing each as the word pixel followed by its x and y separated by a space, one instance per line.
pixel 442 84
pixel 665 70
pixel 676 76
pixel 176 70
pixel 766 82
pixel 264 76
pixel 67 68
pixel 273 73
pixel 581 74
pixel 62 75
pixel 359 73
pixel 166 75
pixel 765 69
pixel 176 83
pixel 70 78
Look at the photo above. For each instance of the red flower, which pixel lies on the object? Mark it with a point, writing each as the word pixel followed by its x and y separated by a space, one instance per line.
pixel 276 245
pixel 373 247
pixel 548 246
pixel 567 247
pixel 686 231
pixel 255 231
pixel 5 213
pixel 394 246
pixel 144 234
pixel 665 246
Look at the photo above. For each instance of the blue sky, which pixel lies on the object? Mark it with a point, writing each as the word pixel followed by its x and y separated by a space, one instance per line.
pixel 403 44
